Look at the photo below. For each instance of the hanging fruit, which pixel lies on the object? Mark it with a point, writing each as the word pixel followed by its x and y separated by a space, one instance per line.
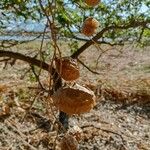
pixel 69 143
pixel 92 2
pixel 90 26
pixel 74 100
pixel 67 68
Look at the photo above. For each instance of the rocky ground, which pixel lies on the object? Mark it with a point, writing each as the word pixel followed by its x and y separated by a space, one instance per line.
pixel 117 122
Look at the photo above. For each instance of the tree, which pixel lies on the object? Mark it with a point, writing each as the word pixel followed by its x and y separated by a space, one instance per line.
pixel 120 22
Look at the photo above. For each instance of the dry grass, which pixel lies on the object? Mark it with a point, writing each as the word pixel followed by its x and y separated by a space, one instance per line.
pixel 124 73
pixel 123 78
pixel 128 91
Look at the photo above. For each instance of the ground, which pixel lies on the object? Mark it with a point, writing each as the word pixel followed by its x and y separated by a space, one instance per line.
pixel 119 121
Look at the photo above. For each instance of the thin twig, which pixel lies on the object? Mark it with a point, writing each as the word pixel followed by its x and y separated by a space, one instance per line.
pixel 106 130
pixel 27 71
pixel 6 59
pixel 140 36
pixel 22 137
pixel 87 67
pixel 13 43
pixel 100 55
pixel 34 99
pixel 37 78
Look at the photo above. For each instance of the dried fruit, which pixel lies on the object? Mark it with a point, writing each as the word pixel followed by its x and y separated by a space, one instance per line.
pixel 5 111
pixel 92 2
pixel 89 26
pixel 76 131
pixel 74 100
pixel 69 143
pixel 67 68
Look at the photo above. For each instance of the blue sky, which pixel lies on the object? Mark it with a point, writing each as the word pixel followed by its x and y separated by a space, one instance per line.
pixel 144 8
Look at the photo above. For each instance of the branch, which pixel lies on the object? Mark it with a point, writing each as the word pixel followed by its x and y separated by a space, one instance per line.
pixel 133 24
pixel 141 34
pixel 46 67
pixel 98 41
pixel 73 36
pixel 11 43
pixel 27 59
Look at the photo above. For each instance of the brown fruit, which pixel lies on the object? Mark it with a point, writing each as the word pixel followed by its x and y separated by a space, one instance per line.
pixel 69 143
pixel 67 68
pixel 92 2
pixel 89 26
pixel 75 100
pixel 76 132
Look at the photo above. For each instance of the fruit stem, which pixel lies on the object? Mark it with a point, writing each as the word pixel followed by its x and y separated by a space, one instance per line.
pixel 63 117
